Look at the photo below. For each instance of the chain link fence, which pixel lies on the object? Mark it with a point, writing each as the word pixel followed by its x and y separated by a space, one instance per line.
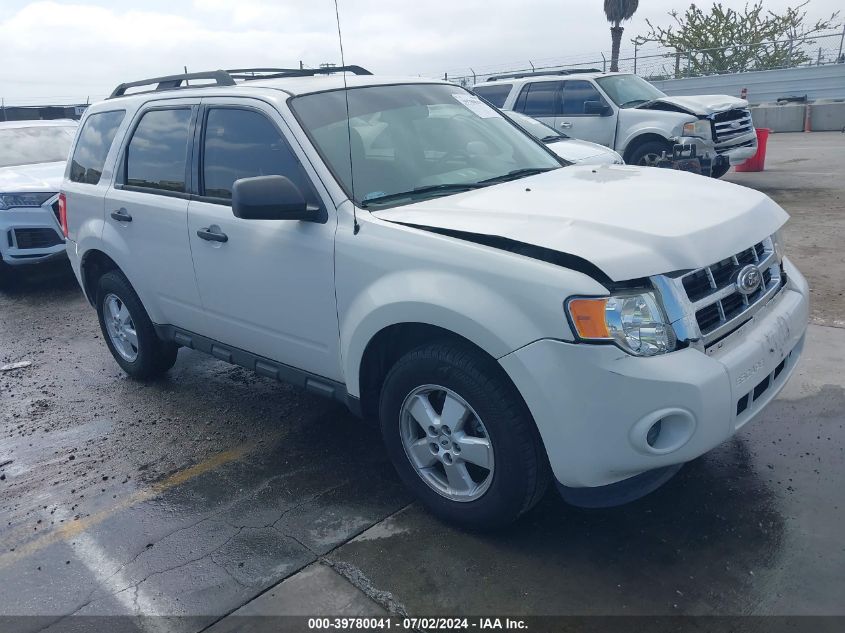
pixel 655 62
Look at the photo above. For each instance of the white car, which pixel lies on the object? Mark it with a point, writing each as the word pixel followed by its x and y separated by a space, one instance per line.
pixel 570 149
pixel 627 113
pixel 32 164
pixel 396 244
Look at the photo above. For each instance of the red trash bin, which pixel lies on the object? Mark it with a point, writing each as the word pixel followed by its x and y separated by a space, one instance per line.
pixel 758 161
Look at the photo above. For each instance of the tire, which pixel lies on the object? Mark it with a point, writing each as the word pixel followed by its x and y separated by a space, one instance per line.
pixel 152 356
pixel 519 471
pixel 720 170
pixel 8 276
pixel 647 154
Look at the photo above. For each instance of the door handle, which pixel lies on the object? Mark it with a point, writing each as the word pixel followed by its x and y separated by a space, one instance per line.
pixel 566 125
pixel 121 215
pixel 212 234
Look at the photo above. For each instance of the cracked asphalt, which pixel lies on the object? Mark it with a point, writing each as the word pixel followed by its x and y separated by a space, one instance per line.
pixel 214 492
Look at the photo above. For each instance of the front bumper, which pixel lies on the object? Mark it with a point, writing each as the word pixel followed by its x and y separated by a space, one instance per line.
pixel 594 404
pixel 738 150
pixel 30 236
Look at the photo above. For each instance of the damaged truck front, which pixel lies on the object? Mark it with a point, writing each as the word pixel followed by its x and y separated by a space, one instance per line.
pixel 628 114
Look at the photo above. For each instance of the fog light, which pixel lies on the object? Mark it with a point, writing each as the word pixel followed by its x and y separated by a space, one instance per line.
pixel 654 433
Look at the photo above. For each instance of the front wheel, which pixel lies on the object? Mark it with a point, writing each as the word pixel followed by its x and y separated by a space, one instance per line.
pixel 460 436
pixel 128 331
pixel 720 170
pixel 8 276
pixel 650 153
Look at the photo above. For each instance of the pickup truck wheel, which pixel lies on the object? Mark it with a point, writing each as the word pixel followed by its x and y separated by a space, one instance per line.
pixel 720 170
pixel 650 153
pixel 461 437
pixel 8 276
pixel 128 331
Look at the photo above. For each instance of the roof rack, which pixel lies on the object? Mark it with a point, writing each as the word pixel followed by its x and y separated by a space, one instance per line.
pixel 228 77
pixel 276 73
pixel 540 73
pixel 174 82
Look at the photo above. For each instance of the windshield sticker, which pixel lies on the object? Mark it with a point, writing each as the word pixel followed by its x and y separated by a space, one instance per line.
pixel 476 105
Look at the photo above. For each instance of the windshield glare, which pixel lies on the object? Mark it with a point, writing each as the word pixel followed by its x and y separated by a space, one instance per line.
pixel 408 137
pixel 36 144
pixel 628 91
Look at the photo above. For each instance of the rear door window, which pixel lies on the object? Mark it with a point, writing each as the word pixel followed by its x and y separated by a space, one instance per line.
pixel 242 143
pixel 541 98
pixel 157 154
pixel 496 94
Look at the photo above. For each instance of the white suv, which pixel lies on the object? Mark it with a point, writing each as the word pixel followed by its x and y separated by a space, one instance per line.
pixel 400 246
pixel 628 114
pixel 33 155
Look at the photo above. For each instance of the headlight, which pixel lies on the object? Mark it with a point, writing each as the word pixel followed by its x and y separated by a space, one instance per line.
pixel 633 321
pixel 777 244
pixel 698 128
pixel 11 200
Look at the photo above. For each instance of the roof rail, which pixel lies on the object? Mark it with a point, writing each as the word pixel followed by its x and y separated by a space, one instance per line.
pixel 174 82
pixel 276 73
pixel 540 73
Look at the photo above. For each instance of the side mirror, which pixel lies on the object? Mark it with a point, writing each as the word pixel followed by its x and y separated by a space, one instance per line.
pixel 599 108
pixel 272 198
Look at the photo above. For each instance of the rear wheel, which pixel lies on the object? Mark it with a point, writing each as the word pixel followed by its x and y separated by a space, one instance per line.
pixel 460 436
pixel 650 153
pixel 128 331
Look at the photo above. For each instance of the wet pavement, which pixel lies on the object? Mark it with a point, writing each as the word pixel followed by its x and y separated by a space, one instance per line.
pixel 196 494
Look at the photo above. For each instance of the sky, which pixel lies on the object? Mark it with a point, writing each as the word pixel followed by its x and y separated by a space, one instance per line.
pixel 57 51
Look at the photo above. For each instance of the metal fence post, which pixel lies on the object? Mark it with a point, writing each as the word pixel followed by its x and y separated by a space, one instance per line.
pixel 841 41
pixel 636 50
pixel 603 63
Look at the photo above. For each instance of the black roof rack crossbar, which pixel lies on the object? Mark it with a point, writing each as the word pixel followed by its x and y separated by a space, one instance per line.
pixel 540 73
pixel 174 82
pixel 276 73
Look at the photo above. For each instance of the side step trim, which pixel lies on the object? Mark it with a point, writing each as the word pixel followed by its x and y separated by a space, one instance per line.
pixel 262 366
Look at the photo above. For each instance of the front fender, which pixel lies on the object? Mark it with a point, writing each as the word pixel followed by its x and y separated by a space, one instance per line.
pixel 498 300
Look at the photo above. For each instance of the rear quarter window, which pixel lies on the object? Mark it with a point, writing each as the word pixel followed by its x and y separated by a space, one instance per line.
pixel 496 94
pixel 93 146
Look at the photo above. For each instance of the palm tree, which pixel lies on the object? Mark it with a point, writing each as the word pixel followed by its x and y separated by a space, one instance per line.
pixel 617 11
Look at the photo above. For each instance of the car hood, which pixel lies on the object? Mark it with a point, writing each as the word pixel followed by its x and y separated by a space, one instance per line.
pixel 577 151
pixel 38 177
pixel 701 104
pixel 630 222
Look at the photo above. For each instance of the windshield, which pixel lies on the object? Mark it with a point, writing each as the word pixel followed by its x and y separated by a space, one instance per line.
pixel 36 144
pixel 628 91
pixel 409 142
pixel 535 128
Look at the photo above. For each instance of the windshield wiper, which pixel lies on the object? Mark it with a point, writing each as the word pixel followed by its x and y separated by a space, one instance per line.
pixel 516 174
pixel 551 138
pixel 451 187
pixel 635 102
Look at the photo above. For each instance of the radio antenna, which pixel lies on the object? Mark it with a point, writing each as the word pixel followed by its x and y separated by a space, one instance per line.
pixel 355 226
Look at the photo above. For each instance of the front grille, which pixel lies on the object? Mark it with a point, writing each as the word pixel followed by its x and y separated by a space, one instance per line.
pixel 732 124
pixel 37 238
pixel 715 301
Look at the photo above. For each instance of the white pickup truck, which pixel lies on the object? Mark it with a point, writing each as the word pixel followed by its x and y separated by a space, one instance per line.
pixel 628 114
pixel 399 245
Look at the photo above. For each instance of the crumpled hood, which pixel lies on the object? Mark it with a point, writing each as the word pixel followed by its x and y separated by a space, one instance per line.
pixel 39 177
pixel 704 104
pixel 628 221
pixel 575 151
